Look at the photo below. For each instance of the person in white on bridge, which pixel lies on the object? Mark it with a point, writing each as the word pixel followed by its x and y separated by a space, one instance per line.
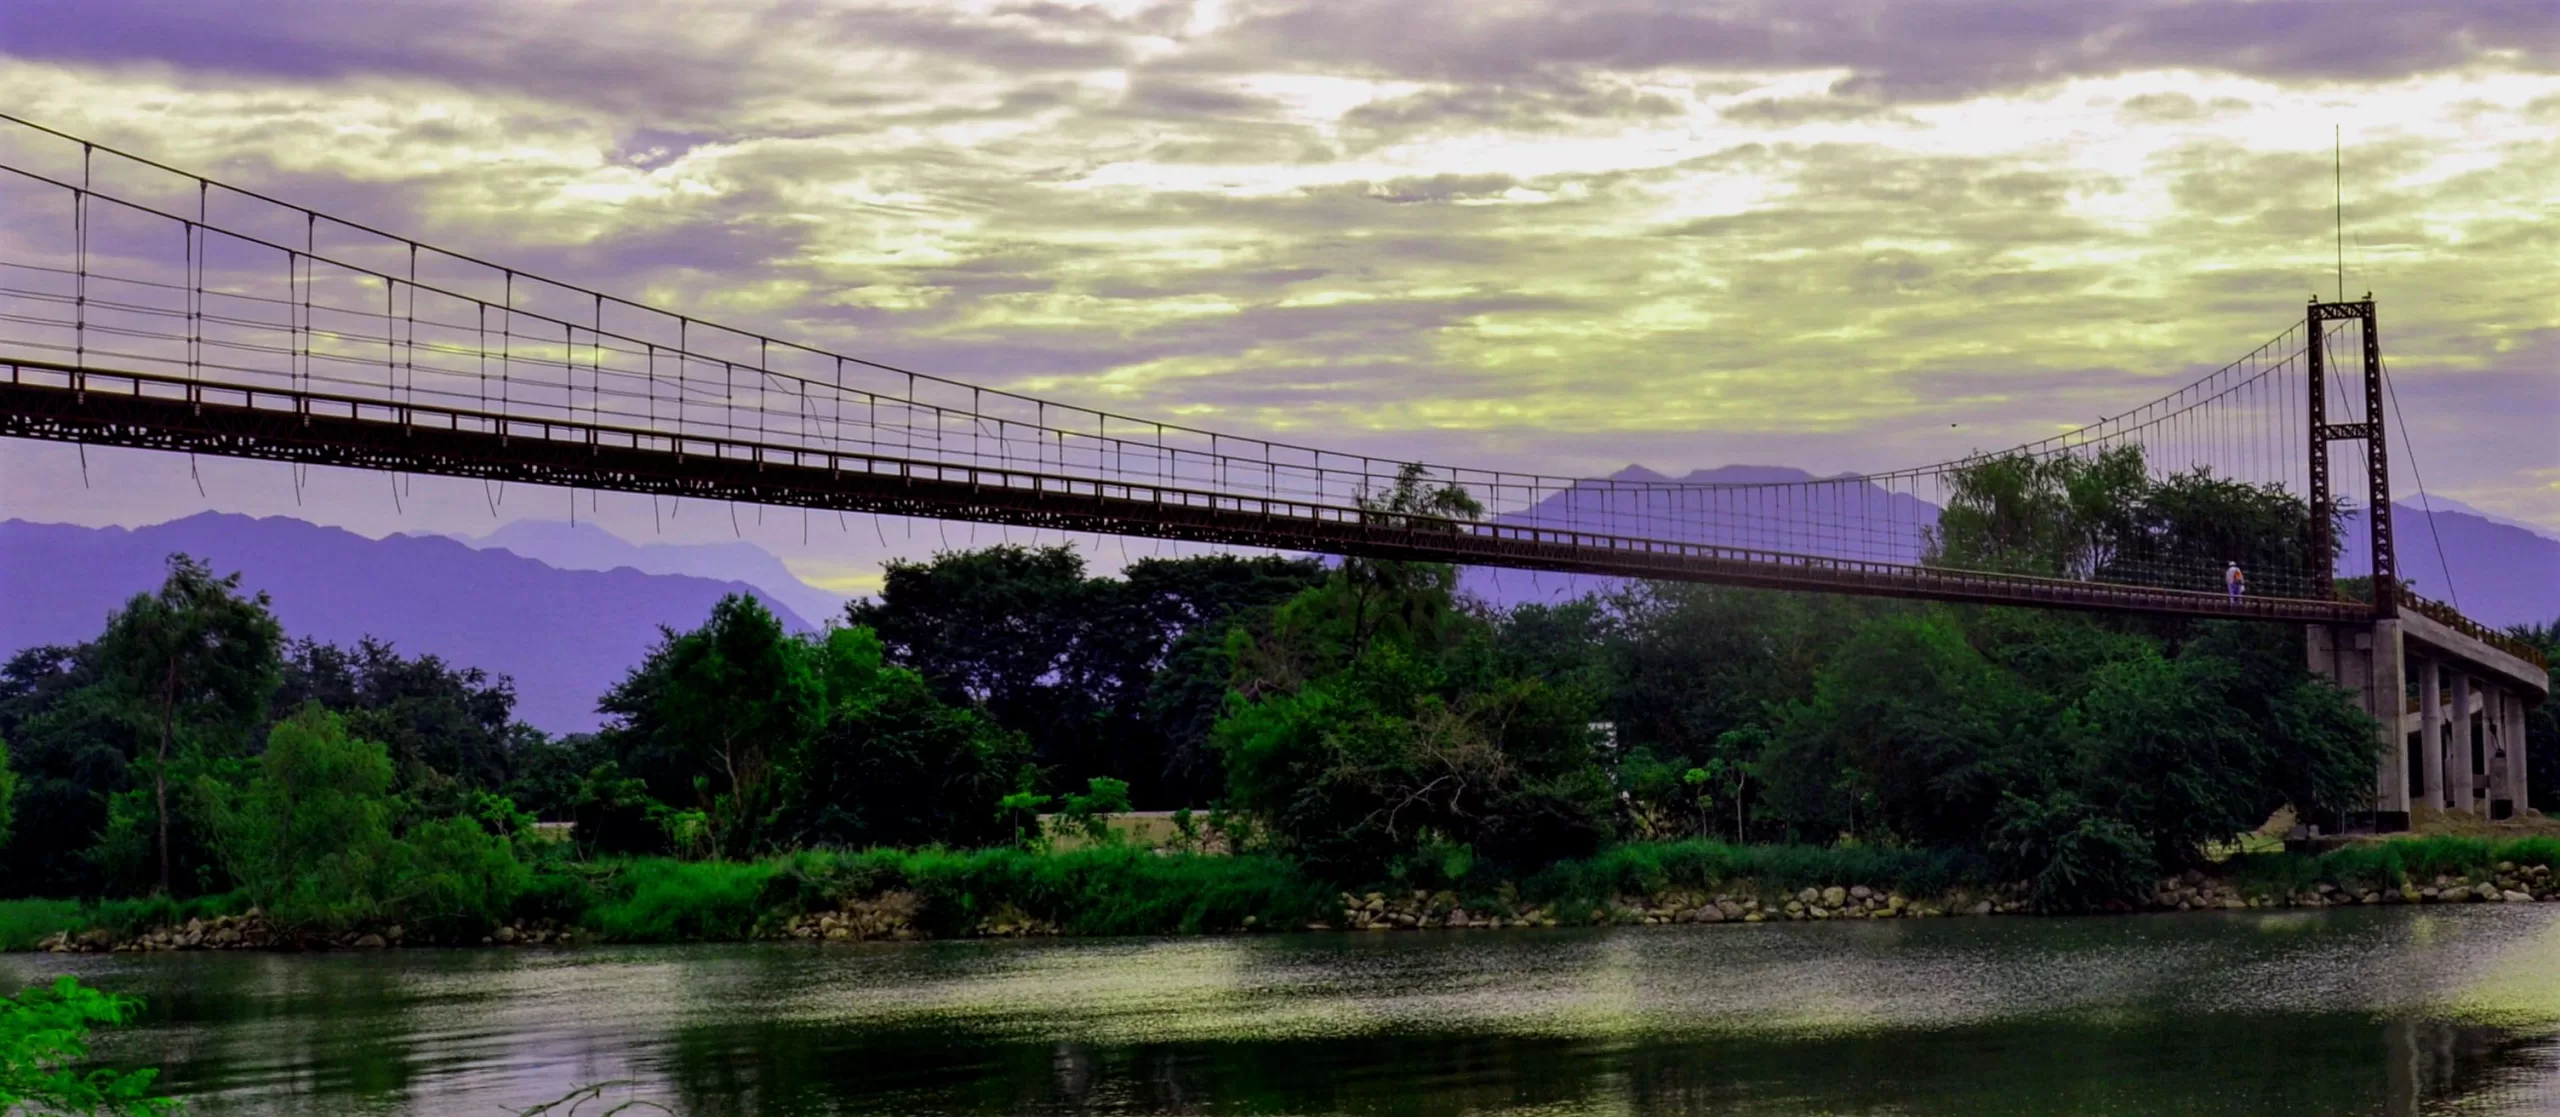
pixel 2234 581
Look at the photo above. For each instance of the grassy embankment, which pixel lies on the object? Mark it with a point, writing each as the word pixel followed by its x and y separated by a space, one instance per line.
pixel 24 922
pixel 1131 891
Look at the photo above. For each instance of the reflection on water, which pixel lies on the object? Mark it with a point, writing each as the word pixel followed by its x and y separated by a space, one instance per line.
pixel 2394 1011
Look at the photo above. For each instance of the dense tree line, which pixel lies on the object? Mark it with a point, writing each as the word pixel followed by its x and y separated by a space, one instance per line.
pixel 1359 717
pixel 1119 678
pixel 192 748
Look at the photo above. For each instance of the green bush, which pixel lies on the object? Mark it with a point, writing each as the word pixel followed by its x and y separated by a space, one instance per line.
pixel 44 1037
pixel 1115 891
pixel 310 837
pixel 655 899
pixel 559 889
pixel 454 879
pixel 1104 890
pixel 8 795
pixel 2073 858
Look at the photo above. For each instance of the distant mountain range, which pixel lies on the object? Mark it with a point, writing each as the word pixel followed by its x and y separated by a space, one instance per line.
pixel 2448 504
pixel 565 636
pixel 2505 572
pixel 2502 573
pixel 585 546
pixel 567 611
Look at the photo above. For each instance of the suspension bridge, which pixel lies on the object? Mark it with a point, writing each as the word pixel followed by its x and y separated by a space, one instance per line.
pixel 145 306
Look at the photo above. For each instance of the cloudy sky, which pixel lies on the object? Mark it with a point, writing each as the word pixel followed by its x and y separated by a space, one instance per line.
pixel 1556 234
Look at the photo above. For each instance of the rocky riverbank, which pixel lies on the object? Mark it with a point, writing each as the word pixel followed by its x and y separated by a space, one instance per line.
pixel 902 915
pixel 2194 891
pixel 897 916
pixel 2507 883
pixel 1377 911
pixel 252 931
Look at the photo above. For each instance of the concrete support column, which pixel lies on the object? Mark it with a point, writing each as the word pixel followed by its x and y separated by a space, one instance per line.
pixel 2494 750
pixel 2459 775
pixel 2516 752
pixel 2431 730
pixel 2388 689
pixel 2511 741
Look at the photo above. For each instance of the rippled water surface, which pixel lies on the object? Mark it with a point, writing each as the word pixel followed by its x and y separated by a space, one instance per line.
pixel 2438 1010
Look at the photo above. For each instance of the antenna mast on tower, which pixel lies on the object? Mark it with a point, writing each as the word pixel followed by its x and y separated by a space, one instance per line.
pixel 2338 201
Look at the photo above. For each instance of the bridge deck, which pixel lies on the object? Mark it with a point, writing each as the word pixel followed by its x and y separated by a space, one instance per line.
pixel 58 402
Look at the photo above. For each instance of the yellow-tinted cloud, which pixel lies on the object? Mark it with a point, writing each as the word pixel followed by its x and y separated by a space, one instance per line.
pixel 1509 234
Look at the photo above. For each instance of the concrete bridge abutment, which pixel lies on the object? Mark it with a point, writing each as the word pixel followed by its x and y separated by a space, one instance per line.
pixel 2450 709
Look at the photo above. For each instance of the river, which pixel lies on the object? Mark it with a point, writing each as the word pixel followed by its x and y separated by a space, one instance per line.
pixel 2357 1011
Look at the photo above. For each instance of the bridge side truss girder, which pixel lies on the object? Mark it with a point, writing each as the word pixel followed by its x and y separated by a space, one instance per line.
pixel 303 434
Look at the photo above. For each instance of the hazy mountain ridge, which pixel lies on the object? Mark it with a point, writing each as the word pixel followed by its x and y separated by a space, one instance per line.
pixel 2501 574
pixel 586 546
pixel 565 636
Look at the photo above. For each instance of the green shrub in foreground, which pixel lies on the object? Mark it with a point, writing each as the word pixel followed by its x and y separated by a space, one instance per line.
pixel 44 1038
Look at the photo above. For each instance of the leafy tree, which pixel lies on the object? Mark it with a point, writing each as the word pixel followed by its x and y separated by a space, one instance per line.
pixel 712 712
pixel 310 837
pixel 1374 719
pixel 1683 666
pixel 72 739
pixel 891 763
pixel 2191 524
pixel 2060 515
pixel 1119 678
pixel 1567 642
pixel 1729 776
pixel 2207 744
pixel 453 877
pixel 1369 764
pixel 8 795
pixel 201 660
pixel 1372 601
pixel 548 773
pixel 2099 515
pixel 44 1040
pixel 2087 760
pixel 456 722
pixel 995 628
pixel 2072 855
pixel 1090 812
pixel 1022 809
pixel 1911 734
pixel 1156 658
pixel 614 814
